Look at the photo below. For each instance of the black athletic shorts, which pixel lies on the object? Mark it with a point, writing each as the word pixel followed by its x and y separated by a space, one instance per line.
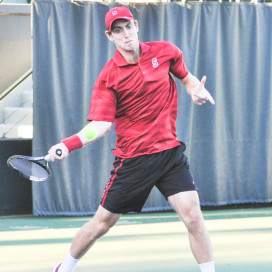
pixel 132 179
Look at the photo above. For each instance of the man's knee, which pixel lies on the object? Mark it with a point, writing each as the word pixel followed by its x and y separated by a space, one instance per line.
pixel 102 222
pixel 101 229
pixel 193 219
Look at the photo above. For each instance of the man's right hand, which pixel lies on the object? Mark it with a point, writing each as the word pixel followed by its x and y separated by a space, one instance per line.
pixel 53 154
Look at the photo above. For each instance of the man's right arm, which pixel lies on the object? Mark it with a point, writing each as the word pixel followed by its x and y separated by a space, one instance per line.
pixel 89 134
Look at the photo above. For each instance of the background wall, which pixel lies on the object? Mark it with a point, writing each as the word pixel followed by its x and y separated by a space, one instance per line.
pixel 229 144
pixel 15 43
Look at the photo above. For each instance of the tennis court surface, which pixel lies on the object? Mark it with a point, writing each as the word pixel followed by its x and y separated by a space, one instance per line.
pixel 147 242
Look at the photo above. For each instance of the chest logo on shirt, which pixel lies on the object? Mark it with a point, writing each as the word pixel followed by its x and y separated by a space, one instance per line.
pixel 155 63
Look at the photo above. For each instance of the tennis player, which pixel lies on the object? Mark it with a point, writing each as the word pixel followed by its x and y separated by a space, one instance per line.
pixel 136 92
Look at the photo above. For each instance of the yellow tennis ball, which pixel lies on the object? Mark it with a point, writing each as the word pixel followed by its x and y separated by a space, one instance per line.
pixel 90 132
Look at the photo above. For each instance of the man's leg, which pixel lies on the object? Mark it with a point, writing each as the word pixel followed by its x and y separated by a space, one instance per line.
pixel 86 237
pixel 187 205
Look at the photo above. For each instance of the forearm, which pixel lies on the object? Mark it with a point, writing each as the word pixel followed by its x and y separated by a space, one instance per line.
pixel 89 134
pixel 94 131
pixel 190 82
pixel 196 89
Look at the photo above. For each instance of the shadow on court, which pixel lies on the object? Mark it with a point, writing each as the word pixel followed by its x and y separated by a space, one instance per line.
pixel 148 242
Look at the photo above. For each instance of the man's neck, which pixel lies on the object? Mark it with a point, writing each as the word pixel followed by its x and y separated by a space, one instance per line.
pixel 131 56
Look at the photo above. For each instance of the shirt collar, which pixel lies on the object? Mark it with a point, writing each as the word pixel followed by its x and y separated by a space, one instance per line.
pixel 120 61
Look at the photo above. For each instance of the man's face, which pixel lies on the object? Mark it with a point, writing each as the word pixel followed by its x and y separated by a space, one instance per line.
pixel 124 34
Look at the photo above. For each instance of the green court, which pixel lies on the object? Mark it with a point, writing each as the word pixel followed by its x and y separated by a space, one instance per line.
pixel 147 242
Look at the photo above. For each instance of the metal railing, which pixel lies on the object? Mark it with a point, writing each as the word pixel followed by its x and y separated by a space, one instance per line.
pixel 15 84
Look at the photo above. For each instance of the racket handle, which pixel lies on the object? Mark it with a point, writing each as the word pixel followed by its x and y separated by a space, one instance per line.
pixel 58 153
pixel 47 157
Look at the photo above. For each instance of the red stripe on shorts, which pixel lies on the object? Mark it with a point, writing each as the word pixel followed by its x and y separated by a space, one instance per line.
pixel 111 182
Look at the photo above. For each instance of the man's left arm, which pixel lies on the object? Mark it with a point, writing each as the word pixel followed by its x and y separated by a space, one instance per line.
pixel 196 89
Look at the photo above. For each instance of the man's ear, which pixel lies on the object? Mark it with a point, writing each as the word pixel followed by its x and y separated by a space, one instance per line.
pixel 108 34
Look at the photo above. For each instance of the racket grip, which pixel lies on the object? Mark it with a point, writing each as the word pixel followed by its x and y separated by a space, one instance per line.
pixel 58 153
pixel 47 157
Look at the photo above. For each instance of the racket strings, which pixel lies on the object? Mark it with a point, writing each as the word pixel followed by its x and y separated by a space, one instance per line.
pixel 29 168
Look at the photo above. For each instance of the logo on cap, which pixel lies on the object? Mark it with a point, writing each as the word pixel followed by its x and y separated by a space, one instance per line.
pixel 114 12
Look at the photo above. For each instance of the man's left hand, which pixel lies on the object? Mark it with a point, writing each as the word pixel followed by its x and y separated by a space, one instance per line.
pixel 200 95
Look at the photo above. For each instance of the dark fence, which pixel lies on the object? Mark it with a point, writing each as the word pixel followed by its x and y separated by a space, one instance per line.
pixel 15 192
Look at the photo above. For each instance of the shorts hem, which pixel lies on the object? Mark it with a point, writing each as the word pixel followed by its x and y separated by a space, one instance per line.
pixel 121 212
pixel 186 190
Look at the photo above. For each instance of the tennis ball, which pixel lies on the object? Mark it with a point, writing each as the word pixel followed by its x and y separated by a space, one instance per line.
pixel 90 132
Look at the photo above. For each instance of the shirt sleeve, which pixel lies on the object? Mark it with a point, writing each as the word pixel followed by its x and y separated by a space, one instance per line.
pixel 103 102
pixel 177 66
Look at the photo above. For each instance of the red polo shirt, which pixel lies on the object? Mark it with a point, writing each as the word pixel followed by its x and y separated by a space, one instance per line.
pixel 141 99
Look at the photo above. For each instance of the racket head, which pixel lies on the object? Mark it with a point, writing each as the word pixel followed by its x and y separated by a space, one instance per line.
pixel 32 168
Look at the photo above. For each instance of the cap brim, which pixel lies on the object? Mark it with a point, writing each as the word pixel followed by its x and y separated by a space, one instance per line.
pixel 120 18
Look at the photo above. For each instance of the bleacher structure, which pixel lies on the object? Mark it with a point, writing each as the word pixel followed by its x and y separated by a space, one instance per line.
pixel 16 109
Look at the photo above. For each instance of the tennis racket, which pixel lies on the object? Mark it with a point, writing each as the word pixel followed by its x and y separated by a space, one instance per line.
pixel 32 168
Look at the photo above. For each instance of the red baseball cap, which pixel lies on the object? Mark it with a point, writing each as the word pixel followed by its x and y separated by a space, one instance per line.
pixel 117 13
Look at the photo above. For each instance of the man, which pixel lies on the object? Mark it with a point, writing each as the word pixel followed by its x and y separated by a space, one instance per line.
pixel 136 91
